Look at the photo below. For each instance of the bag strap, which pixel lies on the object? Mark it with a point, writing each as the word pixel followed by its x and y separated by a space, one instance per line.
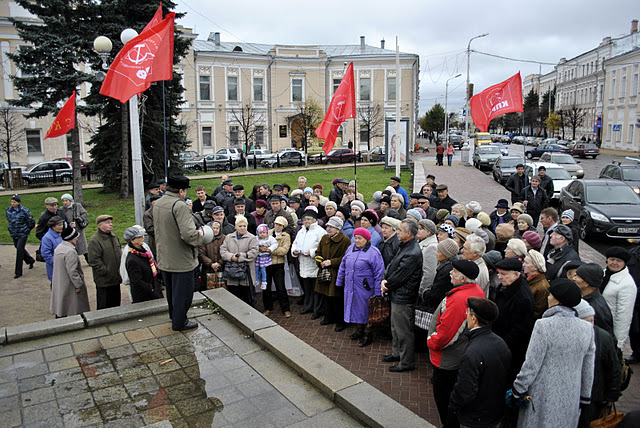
pixel 177 226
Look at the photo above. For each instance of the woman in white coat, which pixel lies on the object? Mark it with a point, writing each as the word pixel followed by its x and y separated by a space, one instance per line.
pixel 619 290
pixel 304 247
pixel 69 291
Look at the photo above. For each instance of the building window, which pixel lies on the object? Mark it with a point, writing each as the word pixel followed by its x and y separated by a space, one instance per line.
pixel 205 88
pixel 365 89
pixel 364 134
pixel 233 135
pixel 630 134
pixel 232 88
pixel 609 131
pixel 296 90
pixel 206 136
pixel 257 89
pixel 634 82
pixel 623 86
pixel 612 90
pixel 34 142
pixel 336 83
pixel 259 136
pixel 391 88
pixel 69 142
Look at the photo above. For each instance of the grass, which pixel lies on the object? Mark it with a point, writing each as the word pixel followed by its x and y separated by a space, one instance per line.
pixel 370 179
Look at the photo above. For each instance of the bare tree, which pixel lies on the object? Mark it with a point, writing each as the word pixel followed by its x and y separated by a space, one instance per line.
pixel 309 118
pixel 247 118
pixel 11 135
pixel 371 120
pixel 573 117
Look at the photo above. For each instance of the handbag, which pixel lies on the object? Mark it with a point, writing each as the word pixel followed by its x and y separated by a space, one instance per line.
pixel 214 280
pixel 609 417
pixel 235 270
pixel 422 318
pixel 39 257
pixel 81 223
pixel 324 274
pixel 625 372
pixel 379 310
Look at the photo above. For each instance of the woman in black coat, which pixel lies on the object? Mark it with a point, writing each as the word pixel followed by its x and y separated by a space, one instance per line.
pixel 142 268
pixel 446 253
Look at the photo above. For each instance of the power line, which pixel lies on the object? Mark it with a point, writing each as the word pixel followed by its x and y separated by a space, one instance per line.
pixel 512 59
pixel 211 21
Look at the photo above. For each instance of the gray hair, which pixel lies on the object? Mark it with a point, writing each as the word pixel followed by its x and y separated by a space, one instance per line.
pixel 398 196
pixel 477 244
pixel 412 227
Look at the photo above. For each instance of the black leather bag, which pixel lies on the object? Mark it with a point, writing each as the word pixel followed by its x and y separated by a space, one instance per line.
pixel 236 271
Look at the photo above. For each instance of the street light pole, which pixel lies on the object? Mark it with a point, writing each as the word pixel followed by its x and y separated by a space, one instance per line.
pixel 466 116
pixel 446 107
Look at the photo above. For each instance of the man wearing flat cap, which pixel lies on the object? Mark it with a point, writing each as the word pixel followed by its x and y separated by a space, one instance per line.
pixel 478 395
pixel 443 201
pixel 152 189
pixel 337 193
pixel 238 193
pixel 177 242
pixel 516 305
pixel 562 252
pixel 225 194
pixel 446 342
pixel 104 258
pixel 395 183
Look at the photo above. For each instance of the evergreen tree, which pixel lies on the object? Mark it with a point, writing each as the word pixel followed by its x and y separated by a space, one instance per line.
pixel 531 110
pixel 433 120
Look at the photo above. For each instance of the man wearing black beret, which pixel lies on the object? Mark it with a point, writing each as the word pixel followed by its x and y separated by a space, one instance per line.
pixel 516 305
pixel 562 252
pixel 478 395
pixel 238 193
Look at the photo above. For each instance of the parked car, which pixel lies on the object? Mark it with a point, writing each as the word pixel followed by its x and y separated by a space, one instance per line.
pixel 566 161
pixel 287 158
pixel 530 140
pixel 503 149
pixel 586 149
pixel 188 156
pixel 377 155
pixel 607 207
pixel 48 172
pixel 629 173
pixel 485 156
pixel 456 140
pixel 537 141
pixel 5 165
pixel 505 139
pixel 558 174
pixel 341 155
pixel 504 167
pixel 212 162
pixel 234 152
pixel 259 155
pixel 546 147
pixel 567 143
pixel 518 139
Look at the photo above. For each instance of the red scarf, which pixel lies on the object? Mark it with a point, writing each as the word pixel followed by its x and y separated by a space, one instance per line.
pixel 146 254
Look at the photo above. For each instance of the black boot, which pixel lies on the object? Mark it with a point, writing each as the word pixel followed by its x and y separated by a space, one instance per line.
pixel 366 340
pixel 358 334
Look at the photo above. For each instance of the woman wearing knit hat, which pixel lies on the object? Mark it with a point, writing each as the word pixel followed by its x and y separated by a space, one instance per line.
pixel 141 267
pixel 446 231
pixel 451 220
pixel 76 216
pixel 532 240
pixel 360 274
pixel 567 219
pixel 557 375
pixel 414 214
pixel 446 253
pixel 369 220
pixel 516 249
pixel 534 269
pixel 473 209
pixel 523 224
pixel 441 215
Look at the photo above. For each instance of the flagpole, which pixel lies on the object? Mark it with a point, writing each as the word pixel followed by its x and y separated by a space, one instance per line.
pixel 164 131
pixel 136 159
pixel 355 158
pixel 398 146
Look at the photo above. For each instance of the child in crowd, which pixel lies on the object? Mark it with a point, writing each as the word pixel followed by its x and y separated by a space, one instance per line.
pixel 265 242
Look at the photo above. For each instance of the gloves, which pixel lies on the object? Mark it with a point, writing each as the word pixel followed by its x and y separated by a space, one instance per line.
pixel 516 401
pixel 319 259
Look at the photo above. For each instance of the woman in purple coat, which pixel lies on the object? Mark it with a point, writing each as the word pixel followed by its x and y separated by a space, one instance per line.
pixel 360 274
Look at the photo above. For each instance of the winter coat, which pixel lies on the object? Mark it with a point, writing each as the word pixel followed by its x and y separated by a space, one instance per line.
pixel 603 317
pixel 48 246
pixel 246 247
pixel 251 223
pixel 620 294
pixel 606 371
pixel 515 322
pixel 270 217
pixel 21 222
pixel 546 183
pixel 496 220
pixel 348 227
pixel 357 266
pixel 177 239
pixel 515 184
pixel 42 228
pixel 229 206
pixel 558 259
pixel 104 258
pixel 446 341
pixel 69 214
pixel 336 195
pixel 307 241
pixel 142 284
pixel 258 218
pixel 388 248
pixel 478 395
pixel 536 203
pixel 332 248
pixel 445 203
pixel 428 246
pixel 279 255
pixel 147 223
pixel 67 277
pixel 404 272
pixel 432 297
pixel 483 277
pixel 210 253
pixel 558 371
pixel 538 285
pixel 401 191
pixel 376 238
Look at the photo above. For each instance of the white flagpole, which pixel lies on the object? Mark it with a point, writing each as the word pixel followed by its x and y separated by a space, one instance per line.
pixel 398 146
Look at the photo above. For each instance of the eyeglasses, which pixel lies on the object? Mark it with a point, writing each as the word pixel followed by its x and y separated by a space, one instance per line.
pixel 423 202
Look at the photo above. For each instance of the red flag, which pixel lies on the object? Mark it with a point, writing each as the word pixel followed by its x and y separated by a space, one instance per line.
pixel 144 59
pixel 157 17
pixel 496 100
pixel 65 120
pixel 342 107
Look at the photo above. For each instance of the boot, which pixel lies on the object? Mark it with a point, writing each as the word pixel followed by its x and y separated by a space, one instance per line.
pixel 358 334
pixel 366 340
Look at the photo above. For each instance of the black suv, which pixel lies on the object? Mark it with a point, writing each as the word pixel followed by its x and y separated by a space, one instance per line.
pixel 607 207
pixel 629 173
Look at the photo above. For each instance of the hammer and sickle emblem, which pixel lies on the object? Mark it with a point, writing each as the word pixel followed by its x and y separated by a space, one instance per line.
pixel 139 54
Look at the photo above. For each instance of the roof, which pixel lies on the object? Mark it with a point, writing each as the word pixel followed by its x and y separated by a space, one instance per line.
pixel 264 49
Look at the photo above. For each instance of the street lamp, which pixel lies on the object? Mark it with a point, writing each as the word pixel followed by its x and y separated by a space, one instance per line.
pixel 103 46
pixel 468 110
pixel 446 112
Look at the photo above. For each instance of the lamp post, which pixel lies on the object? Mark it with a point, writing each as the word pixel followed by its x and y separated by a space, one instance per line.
pixel 446 111
pixel 103 46
pixel 468 110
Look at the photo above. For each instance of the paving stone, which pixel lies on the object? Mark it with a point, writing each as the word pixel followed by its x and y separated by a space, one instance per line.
pixel 83 417
pixel 47 328
pixel 115 340
pixel 71 375
pixel 58 352
pixel 9 403
pixel 147 345
pixel 284 415
pixel 199 405
pixel 133 421
pixel 86 346
pixel 63 364
pixel 41 412
pixel 160 354
pixel 127 362
pixel 176 339
pixel 227 394
pixel 141 386
pixel 108 395
pixel 71 388
pixel 237 413
pixel 158 368
pixel 121 351
pixel 48 341
pixel 184 391
pixel 97 369
pixel 162 330
pixel 134 373
pixel 334 417
pixel 9 388
pixel 254 387
pixel 6 363
pixel 138 335
pixel 7 376
pixel 77 402
pixel 186 360
pixel 175 350
pixel 25 372
pixel 37 396
pixel 29 359
pixel 32 383
pixel 12 418
pixel 104 381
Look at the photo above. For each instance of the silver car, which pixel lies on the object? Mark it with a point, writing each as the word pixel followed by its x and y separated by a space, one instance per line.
pixel 485 156
pixel 566 161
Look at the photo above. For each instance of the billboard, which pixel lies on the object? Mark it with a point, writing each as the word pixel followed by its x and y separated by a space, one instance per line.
pixel 396 143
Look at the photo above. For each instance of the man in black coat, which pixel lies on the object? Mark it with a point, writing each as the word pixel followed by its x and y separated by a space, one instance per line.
pixel 402 280
pixel 516 304
pixel 516 183
pixel 443 201
pixel 546 182
pixel 238 193
pixel 337 193
pixel 51 205
pixel 478 395
pixel 562 252
pixel 535 198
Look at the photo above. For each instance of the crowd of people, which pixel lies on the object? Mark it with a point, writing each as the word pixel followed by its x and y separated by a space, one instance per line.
pixel 501 309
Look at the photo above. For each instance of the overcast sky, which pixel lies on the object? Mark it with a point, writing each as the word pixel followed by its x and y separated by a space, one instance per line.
pixel 437 30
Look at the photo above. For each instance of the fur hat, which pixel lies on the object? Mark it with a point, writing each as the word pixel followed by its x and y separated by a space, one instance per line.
pixel 484 218
pixel 591 273
pixel 474 207
pixel 359 205
pixel 618 253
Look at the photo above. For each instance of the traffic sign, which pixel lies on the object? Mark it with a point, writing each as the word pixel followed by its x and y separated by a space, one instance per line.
pixel 617 128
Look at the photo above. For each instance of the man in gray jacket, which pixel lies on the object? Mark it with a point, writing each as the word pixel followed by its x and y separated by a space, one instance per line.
pixel 104 258
pixel 177 241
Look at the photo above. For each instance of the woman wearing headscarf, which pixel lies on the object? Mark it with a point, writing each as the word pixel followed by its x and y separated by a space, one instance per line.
pixel 142 269
pixel 209 254
pixel 360 274
pixel 75 215
pixel 619 290
pixel 69 291
pixel 534 268
pixel 50 242
pixel 557 374
pixel 240 247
